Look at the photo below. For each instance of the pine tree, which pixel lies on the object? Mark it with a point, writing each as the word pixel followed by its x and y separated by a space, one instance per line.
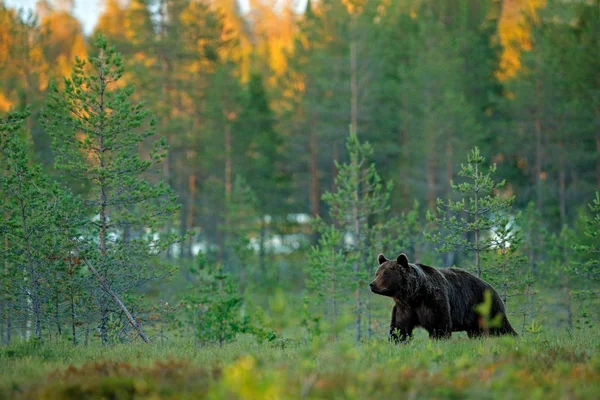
pixel 480 224
pixel 358 208
pixel 559 274
pixel 240 223
pixel 9 127
pixel 263 163
pixel 435 113
pixel 215 305
pixel 327 275
pixel 34 214
pixel 480 220
pixel 591 268
pixel 97 133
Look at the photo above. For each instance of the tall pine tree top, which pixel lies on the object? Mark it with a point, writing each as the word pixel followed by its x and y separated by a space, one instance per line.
pixel 97 133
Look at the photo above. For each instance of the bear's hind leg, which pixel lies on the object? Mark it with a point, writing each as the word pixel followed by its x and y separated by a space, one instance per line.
pixel 436 320
pixel 440 333
pixel 402 325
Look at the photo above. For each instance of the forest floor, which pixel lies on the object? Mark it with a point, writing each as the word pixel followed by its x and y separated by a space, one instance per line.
pixel 549 365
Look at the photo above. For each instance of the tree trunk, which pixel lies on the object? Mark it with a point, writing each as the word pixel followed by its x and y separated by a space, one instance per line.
pixel 183 221
pixel 57 314
pixel 314 196
pixel 449 169
pixel 104 285
pixel 562 186
pixel 72 298
pixel 228 163
pixel 333 268
pixel 8 322
pixel 103 213
pixel 568 305
pixel 334 155
pixel 431 183
pixel 34 290
pixel 262 252
pixel 598 147
pixel 404 170
pixel 476 214
pixel 191 210
pixel 538 148
pixel 228 191
pixel 353 79
pixel 356 223
pixel 7 299
pixel 167 167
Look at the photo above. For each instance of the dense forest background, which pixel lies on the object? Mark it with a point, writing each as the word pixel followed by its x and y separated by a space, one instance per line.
pixel 256 109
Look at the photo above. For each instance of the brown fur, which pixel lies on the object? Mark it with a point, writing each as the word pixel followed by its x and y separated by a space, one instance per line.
pixel 441 301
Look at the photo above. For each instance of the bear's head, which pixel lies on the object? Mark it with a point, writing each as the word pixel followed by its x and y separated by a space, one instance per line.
pixel 394 278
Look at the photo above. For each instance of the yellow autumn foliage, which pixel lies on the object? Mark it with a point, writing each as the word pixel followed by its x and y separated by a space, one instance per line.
pixel 514 33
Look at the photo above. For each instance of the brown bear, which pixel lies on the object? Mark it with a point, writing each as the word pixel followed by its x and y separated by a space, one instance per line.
pixel 441 301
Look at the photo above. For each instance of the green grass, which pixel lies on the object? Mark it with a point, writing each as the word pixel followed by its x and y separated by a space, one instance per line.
pixel 550 365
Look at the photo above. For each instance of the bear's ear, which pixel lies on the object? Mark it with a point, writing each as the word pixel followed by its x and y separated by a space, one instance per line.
pixel 381 259
pixel 402 260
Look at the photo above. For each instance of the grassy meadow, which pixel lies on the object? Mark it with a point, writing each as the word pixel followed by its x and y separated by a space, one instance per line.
pixel 547 365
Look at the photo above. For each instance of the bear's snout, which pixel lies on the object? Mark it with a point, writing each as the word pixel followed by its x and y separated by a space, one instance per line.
pixel 373 287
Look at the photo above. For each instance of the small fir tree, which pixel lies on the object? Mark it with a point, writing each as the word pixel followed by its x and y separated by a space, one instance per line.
pixel 240 221
pixel 215 305
pixel 327 275
pixel 358 208
pixel 559 274
pixel 97 134
pixel 591 250
pixel 480 220
pixel 480 223
pixel 588 269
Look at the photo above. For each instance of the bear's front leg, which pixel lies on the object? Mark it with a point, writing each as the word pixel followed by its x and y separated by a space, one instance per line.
pixel 401 325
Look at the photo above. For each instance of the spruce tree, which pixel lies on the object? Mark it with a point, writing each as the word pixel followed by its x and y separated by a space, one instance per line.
pixel 97 133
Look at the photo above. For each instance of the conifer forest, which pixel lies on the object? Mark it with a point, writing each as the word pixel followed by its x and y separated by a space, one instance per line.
pixel 195 196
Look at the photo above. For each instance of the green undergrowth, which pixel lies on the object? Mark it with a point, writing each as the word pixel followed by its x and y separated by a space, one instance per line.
pixel 549 366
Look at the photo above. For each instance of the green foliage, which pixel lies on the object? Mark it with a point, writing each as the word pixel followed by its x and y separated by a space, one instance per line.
pixel 484 310
pixel 360 192
pixel 479 221
pixel 96 139
pixel 591 268
pixel 215 305
pixel 97 133
pixel 327 276
pixel 35 212
pixel 358 208
pixel 240 221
